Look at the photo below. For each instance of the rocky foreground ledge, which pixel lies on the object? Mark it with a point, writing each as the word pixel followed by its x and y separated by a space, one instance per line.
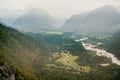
pixel 8 72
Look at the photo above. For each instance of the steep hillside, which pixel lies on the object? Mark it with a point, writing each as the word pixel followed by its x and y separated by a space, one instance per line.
pixel 21 51
pixel 35 20
pixel 101 20
pixel 114 45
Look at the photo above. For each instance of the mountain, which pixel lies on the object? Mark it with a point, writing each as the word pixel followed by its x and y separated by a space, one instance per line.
pixel 9 16
pixel 73 23
pixel 35 20
pixel 23 58
pixel 21 51
pixel 114 45
pixel 102 20
pixel 118 8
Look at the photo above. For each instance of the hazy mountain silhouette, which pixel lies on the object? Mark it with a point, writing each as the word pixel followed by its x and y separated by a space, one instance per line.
pixel 101 20
pixel 36 20
pixel 9 16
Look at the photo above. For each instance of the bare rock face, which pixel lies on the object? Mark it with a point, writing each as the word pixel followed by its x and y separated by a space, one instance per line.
pixel 7 72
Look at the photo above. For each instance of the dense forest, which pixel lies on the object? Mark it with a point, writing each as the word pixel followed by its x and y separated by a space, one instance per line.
pixel 87 59
pixel 50 57
pixel 114 44
pixel 59 42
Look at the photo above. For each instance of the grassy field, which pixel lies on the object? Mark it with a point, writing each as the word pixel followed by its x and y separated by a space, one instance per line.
pixel 69 60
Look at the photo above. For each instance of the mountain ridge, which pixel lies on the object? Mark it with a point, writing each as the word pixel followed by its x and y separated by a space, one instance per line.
pixel 35 20
pixel 98 21
pixel 21 51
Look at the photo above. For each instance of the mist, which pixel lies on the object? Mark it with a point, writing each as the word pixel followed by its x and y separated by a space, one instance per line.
pixel 60 10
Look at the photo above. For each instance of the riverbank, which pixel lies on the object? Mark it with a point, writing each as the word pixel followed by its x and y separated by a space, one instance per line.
pixel 100 52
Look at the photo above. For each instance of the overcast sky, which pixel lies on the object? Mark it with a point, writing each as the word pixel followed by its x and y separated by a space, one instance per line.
pixel 58 8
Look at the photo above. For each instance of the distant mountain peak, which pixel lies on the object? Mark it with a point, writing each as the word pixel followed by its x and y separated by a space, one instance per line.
pixel 36 20
pixel 38 11
pixel 105 19
pixel 107 8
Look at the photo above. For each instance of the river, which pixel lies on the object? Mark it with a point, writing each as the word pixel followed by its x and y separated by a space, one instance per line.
pixel 100 52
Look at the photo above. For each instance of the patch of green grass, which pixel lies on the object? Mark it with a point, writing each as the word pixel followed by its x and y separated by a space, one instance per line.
pixel 72 60
pixel 69 60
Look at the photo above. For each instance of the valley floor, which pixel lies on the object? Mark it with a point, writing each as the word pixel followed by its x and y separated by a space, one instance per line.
pixel 68 59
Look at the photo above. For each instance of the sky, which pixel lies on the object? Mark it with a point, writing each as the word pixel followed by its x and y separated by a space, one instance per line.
pixel 59 9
